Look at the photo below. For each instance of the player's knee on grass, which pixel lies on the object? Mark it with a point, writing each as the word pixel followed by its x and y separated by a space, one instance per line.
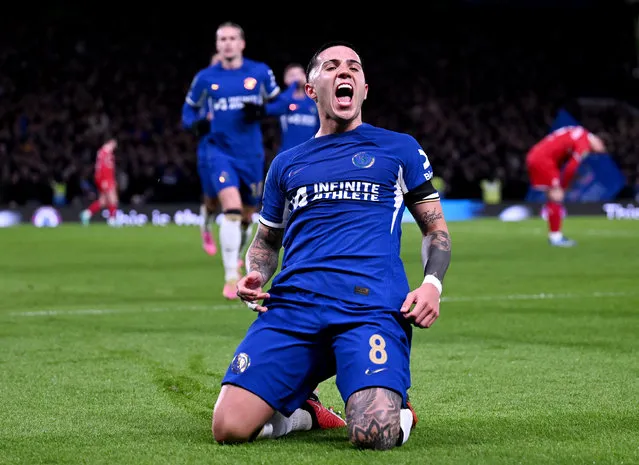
pixel 230 428
pixel 238 415
pixel 373 418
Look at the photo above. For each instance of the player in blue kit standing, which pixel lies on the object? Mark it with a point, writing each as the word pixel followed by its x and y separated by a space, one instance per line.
pixel 341 304
pixel 297 112
pixel 235 159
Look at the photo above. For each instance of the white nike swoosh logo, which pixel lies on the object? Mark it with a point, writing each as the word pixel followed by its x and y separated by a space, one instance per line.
pixel 372 372
pixel 294 172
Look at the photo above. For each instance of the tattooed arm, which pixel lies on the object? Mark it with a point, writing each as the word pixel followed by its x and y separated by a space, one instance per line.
pixel 263 253
pixel 436 251
pixel 262 259
pixel 435 258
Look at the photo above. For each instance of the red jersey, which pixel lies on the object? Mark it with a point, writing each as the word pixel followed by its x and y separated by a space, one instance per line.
pixel 561 145
pixel 105 164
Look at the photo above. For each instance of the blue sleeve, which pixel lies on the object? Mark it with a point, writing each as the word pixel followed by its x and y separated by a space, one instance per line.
pixel 417 168
pixel 196 95
pixel 189 115
pixel 279 106
pixel 274 206
pixel 271 89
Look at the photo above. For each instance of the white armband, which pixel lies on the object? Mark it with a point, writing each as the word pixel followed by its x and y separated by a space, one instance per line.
pixel 432 279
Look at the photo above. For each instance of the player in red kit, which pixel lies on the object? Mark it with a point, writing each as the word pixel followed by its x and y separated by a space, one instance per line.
pixel 552 164
pixel 105 183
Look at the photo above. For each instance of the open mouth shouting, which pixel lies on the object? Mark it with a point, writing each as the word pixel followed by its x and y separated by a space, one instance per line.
pixel 344 95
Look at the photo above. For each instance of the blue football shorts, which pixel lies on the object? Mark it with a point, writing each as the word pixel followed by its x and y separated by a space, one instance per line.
pixel 305 338
pixel 218 170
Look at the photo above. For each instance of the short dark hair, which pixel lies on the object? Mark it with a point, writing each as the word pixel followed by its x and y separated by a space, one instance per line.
pixel 334 43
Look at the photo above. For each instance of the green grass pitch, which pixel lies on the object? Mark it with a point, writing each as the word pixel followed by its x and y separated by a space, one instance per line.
pixel 113 343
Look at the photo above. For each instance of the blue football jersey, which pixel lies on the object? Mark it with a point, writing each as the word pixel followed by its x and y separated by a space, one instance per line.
pixel 299 120
pixel 340 199
pixel 225 92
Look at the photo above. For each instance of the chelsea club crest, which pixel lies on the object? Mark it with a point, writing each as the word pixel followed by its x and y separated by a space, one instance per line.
pixel 363 160
pixel 240 363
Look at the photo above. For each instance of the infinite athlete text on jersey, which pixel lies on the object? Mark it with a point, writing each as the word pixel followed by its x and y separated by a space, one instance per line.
pixel 336 190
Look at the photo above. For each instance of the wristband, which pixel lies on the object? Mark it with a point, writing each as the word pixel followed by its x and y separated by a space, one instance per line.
pixel 432 279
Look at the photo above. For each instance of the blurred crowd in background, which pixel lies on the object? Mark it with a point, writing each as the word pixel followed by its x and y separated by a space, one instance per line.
pixel 476 94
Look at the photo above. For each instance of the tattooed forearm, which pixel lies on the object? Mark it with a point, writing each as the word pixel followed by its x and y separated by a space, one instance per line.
pixel 427 218
pixel 263 253
pixel 436 241
pixel 372 416
pixel 436 253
